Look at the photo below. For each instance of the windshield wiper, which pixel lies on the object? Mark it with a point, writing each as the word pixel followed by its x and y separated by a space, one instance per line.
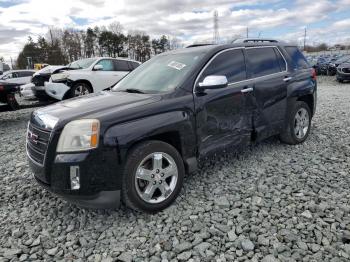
pixel 133 90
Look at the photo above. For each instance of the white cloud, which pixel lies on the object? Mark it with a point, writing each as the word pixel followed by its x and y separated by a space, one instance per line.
pixel 188 20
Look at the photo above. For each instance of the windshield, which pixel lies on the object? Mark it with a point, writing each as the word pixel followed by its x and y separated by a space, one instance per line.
pixel 343 59
pixel 82 64
pixel 162 73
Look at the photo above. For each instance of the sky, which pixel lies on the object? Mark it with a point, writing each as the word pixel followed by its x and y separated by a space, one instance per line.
pixel 189 20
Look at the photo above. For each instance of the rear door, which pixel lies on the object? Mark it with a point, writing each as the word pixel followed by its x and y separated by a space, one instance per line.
pixel 268 69
pixel 224 115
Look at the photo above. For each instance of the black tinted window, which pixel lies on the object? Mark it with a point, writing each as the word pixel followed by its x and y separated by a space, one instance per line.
pixel 297 57
pixel 230 64
pixel 280 60
pixel 121 65
pixel 25 73
pixel 263 61
pixel 133 65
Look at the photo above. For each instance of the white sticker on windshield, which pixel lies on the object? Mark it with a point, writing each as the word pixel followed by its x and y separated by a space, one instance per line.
pixel 176 65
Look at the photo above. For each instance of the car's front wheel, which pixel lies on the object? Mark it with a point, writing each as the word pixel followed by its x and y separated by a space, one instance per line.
pixel 80 89
pixel 298 124
pixel 152 177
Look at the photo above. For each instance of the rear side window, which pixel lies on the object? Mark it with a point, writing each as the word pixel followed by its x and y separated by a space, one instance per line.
pixel 297 57
pixel 25 73
pixel 121 65
pixel 230 64
pixel 263 61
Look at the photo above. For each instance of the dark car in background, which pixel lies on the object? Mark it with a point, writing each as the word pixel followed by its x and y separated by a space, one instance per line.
pixel 332 66
pixel 7 94
pixel 136 142
pixel 343 72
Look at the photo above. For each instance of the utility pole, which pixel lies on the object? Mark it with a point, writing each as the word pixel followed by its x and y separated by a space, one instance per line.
pixel 216 27
pixel 11 63
pixel 247 32
pixel 304 38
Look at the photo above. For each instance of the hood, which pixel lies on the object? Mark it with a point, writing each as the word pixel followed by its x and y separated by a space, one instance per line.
pixel 48 70
pixel 100 105
pixel 345 65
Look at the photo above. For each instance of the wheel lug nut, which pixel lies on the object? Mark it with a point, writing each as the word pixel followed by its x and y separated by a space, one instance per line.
pixel 160 181
pixel 152 175
pixel 162 174
pixel 157 170
pixel 154 182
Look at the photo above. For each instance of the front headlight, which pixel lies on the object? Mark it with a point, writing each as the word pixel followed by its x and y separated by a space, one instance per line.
pixel 59 76
pixel 79 135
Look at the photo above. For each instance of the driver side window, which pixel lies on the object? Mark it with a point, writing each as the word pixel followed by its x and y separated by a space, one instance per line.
pixel 107 64
pixel 230 64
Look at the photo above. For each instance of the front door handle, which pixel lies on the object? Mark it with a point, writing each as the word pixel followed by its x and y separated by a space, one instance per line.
pixel 247 90
pixel 287 78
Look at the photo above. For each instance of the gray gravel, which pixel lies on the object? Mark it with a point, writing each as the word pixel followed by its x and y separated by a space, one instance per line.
pixel 271 202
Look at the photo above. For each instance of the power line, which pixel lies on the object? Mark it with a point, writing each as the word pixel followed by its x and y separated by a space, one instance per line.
pixel 216 27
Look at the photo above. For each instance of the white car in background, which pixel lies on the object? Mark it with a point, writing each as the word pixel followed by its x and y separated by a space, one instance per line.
pixel 87 76
pixel 20 77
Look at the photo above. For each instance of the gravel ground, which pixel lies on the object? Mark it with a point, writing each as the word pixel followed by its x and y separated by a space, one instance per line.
pixel 271 202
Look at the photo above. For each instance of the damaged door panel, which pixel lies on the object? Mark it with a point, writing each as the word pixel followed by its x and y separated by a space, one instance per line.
pixel 268 69
pixel 224 115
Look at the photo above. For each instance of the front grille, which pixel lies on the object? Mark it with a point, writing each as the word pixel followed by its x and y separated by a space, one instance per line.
pixel 346 70
pixel 39 80
pixel 37 143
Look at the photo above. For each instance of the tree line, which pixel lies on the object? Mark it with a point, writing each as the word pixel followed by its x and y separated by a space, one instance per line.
pixel 62 46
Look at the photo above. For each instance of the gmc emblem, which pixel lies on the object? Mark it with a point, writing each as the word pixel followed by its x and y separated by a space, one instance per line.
pixel 33 137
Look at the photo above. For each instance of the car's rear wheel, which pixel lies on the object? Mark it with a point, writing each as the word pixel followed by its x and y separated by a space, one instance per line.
pixel 12 102
pixel 298 124
pixel 80 89
pixel 153 176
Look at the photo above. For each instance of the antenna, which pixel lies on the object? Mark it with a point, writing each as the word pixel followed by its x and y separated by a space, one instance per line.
pixel 216 27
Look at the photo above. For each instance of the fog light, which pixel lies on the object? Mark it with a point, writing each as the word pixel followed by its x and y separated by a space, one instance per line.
pixel 74 177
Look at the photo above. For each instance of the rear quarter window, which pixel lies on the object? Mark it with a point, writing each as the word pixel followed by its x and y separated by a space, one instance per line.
pixel 299 60
pixel 121 65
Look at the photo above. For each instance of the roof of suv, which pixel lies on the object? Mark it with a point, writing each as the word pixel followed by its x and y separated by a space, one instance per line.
pixel 215 48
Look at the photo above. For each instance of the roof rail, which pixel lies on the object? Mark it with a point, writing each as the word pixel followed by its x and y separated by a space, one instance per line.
pixel 196 45
pixel 255 40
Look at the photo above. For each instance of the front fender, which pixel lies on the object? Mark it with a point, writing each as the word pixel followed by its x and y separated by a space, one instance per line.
pixel 127 134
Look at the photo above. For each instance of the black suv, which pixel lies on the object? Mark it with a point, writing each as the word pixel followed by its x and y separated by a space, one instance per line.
pixel 136 142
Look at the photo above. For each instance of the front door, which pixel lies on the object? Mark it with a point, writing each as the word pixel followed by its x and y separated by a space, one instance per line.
pixel 106 77
pixel 224 115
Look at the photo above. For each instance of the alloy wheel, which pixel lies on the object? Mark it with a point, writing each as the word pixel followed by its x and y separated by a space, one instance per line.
pixel 156 177
pixel 301 123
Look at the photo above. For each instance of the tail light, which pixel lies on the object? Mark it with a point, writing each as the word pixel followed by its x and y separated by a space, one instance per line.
pixel 313 74
pixel 1 88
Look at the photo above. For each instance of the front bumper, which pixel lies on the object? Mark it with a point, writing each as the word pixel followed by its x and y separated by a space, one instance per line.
pixel 342 76
pixel 100 200
pixel 100 177
pixel 56 90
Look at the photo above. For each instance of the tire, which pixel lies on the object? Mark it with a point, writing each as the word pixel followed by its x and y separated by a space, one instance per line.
pixel 340 80
pixel 80 89
pixel 12 102
pixel 142 157
pixel 295 132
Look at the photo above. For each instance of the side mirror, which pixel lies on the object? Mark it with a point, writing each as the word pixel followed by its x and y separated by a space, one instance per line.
pixel 213 82
pixel 98 67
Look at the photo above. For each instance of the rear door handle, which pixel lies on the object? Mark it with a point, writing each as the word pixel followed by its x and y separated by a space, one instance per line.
pixel 287 78
pixel 247 90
